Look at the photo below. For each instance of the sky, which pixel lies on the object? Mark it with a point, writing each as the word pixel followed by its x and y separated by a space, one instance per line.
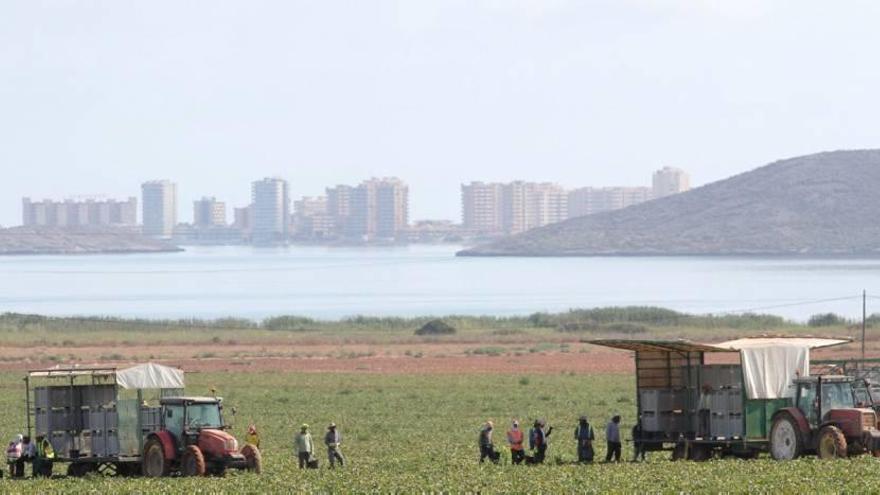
pixel 99 96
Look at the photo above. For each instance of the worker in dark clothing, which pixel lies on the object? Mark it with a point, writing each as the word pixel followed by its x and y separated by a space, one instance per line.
pixel 612 436
pixel 638 442
pixel 539 436
pixel 333 439
pixel 584 436
pixel 487 448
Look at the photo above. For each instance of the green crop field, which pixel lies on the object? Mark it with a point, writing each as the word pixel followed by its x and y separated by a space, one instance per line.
pixel 419 434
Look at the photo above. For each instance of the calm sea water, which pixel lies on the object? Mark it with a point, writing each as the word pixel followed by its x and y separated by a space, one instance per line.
pixel 325 282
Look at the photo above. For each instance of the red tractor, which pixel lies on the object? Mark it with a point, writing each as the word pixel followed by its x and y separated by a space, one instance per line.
pixel 192 440
pixel 827 419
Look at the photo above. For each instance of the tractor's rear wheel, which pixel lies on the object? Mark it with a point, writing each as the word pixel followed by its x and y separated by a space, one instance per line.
pixel 253 457
pixel 785 439
pixel 192 463
pixel 154 464
pixel 832 443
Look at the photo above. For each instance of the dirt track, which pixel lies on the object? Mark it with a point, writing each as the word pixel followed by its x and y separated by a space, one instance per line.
pixel 422 358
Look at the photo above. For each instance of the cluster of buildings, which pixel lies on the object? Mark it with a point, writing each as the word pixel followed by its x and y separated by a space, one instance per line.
pixel 490 209
pixel 374 210
pixel 73 213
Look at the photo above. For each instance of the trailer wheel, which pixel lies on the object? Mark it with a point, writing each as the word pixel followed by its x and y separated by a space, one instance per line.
pixel 832 443
pixel 679 451
pixel 785 439
pixel 193 462
pixel 79 469
pixel 154 464
pixel 253 457
pixel 700 453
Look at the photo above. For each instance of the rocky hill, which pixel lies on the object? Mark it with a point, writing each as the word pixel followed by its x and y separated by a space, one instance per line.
pixel 93 240
pixel 822 204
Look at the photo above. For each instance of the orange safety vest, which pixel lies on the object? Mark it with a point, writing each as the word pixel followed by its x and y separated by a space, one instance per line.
pixel 515 438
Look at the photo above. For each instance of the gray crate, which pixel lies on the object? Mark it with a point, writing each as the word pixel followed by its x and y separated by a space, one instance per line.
pixel 650 400
pixel 651 421
pixel 41 397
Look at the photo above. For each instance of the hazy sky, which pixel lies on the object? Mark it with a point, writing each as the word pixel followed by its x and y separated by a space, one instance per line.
pixel 96 97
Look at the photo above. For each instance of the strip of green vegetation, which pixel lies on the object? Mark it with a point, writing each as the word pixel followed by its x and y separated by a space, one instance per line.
pixel 613 321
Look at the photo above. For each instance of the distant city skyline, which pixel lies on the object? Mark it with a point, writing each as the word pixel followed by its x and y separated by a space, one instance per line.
pixel 225 208
pixel 97 98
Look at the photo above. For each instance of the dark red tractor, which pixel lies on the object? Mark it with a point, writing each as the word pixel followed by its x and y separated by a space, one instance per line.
pixel 193 441
pixel 828 419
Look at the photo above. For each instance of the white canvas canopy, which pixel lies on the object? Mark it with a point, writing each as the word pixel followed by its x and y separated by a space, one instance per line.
pixel 148 376
pixel 770 364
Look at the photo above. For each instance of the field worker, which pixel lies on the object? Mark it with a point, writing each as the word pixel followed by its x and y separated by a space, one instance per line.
pixel 584 436
pixel 332 440
pixel 44 458
pixel 487 449
pixel 515 440
pixel 14 458
pixel 539 437
pixel 252 437
pixel 638 444
pixel 28 451
pixel 304 447
pixel 612 436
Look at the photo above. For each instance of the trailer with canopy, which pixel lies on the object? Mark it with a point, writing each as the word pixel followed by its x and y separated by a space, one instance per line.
pixel 765 402
pixel 131 421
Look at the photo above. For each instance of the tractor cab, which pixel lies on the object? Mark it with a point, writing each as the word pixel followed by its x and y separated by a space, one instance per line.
pixel 186 417
pixel 819 396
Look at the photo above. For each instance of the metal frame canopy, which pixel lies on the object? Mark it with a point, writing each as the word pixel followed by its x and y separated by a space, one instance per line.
pixel 139 377
pixel 679 345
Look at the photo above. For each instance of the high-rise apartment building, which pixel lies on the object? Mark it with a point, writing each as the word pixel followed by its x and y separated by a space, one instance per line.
pixel 482 208
pixel 670 180
pixel 491 209
pixel 71 213
pixel 208 212
pixel 528 205
pixel 159 199
pixel 339 206
pixel 379 209
pixel 271 210
pixel 589 200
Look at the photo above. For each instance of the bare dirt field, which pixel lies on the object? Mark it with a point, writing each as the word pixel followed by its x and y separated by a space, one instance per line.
pixel 408 358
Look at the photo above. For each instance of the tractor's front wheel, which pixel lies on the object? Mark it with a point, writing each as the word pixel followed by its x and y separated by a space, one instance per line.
pixel 253 457
pixel 154 464
pixel 832 443
pixel 192 463
pixel 785 439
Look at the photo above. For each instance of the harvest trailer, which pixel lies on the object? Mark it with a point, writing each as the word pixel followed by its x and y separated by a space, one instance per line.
pixel 768 402
pixel 131 421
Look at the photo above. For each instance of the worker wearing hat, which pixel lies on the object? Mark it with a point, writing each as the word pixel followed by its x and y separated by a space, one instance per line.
pixel 584 435
pixel 515 441
pixel 487 449
pixel 332 439
pixel 304 447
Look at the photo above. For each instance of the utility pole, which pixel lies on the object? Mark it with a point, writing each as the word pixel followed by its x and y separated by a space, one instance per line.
pixel 864 320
